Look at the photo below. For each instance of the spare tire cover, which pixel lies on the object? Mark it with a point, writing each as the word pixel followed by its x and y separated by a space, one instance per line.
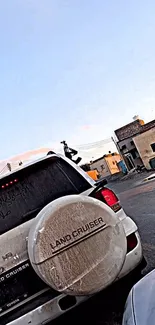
pixel 77 245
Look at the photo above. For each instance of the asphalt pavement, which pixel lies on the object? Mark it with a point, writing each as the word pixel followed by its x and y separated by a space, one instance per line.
pixel 139 203
pixel 138 200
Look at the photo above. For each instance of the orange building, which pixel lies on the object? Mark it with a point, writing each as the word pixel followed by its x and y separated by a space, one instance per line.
pixel 112 162
pixel 107 165
pixel 93 174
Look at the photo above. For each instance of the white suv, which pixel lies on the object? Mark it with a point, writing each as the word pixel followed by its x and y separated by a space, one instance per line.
pixel 24 297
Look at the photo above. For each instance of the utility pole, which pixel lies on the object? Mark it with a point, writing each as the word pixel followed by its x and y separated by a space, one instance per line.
pixel 118 148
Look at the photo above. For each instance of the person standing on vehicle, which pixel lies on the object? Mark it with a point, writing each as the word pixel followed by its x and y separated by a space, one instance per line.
pixel 69 153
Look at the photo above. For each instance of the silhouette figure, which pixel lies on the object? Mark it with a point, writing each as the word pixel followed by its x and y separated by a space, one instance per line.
pixel 70 152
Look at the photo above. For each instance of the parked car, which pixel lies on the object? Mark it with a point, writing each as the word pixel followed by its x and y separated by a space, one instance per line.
pixel 140 305
pixel 25 297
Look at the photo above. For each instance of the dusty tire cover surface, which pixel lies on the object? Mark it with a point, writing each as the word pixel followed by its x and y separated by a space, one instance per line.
pixel 77 245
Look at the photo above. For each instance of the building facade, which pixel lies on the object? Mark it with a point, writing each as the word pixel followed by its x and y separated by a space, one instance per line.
pixel 127 146
pixel 145 144
pixel 107 165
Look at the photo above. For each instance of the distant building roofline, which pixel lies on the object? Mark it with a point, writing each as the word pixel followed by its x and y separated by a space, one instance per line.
pixel 126 125
pixel 143 128
pixel 105 156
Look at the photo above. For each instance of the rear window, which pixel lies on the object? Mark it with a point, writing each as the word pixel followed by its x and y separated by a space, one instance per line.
pixel 26 192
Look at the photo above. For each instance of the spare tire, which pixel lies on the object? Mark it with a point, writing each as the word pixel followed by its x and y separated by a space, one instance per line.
pixel 77 245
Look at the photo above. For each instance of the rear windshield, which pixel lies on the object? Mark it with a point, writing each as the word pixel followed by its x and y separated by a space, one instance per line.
pixel 26 192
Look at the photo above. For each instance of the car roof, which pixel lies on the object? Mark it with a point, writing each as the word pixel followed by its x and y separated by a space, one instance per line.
pixel 28 164
pixel 49 156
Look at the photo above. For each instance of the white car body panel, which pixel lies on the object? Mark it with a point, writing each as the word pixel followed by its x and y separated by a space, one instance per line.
pixel 18 247
pixel 133 259
pixel 51 309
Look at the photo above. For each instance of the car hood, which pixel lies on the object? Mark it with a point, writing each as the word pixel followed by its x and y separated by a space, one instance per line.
pixel 140 305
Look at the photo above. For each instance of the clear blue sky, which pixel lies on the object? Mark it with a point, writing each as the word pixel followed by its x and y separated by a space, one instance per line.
pixel 73 70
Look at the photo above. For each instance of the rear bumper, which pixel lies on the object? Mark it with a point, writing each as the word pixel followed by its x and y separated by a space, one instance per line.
pixel 48 311
pixel 59 305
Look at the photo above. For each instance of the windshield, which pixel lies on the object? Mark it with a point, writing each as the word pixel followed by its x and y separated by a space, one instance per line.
pixel 24 193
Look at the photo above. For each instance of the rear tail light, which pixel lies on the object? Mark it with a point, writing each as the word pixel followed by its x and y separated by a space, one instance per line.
pixel 131 242
pixel 109 197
